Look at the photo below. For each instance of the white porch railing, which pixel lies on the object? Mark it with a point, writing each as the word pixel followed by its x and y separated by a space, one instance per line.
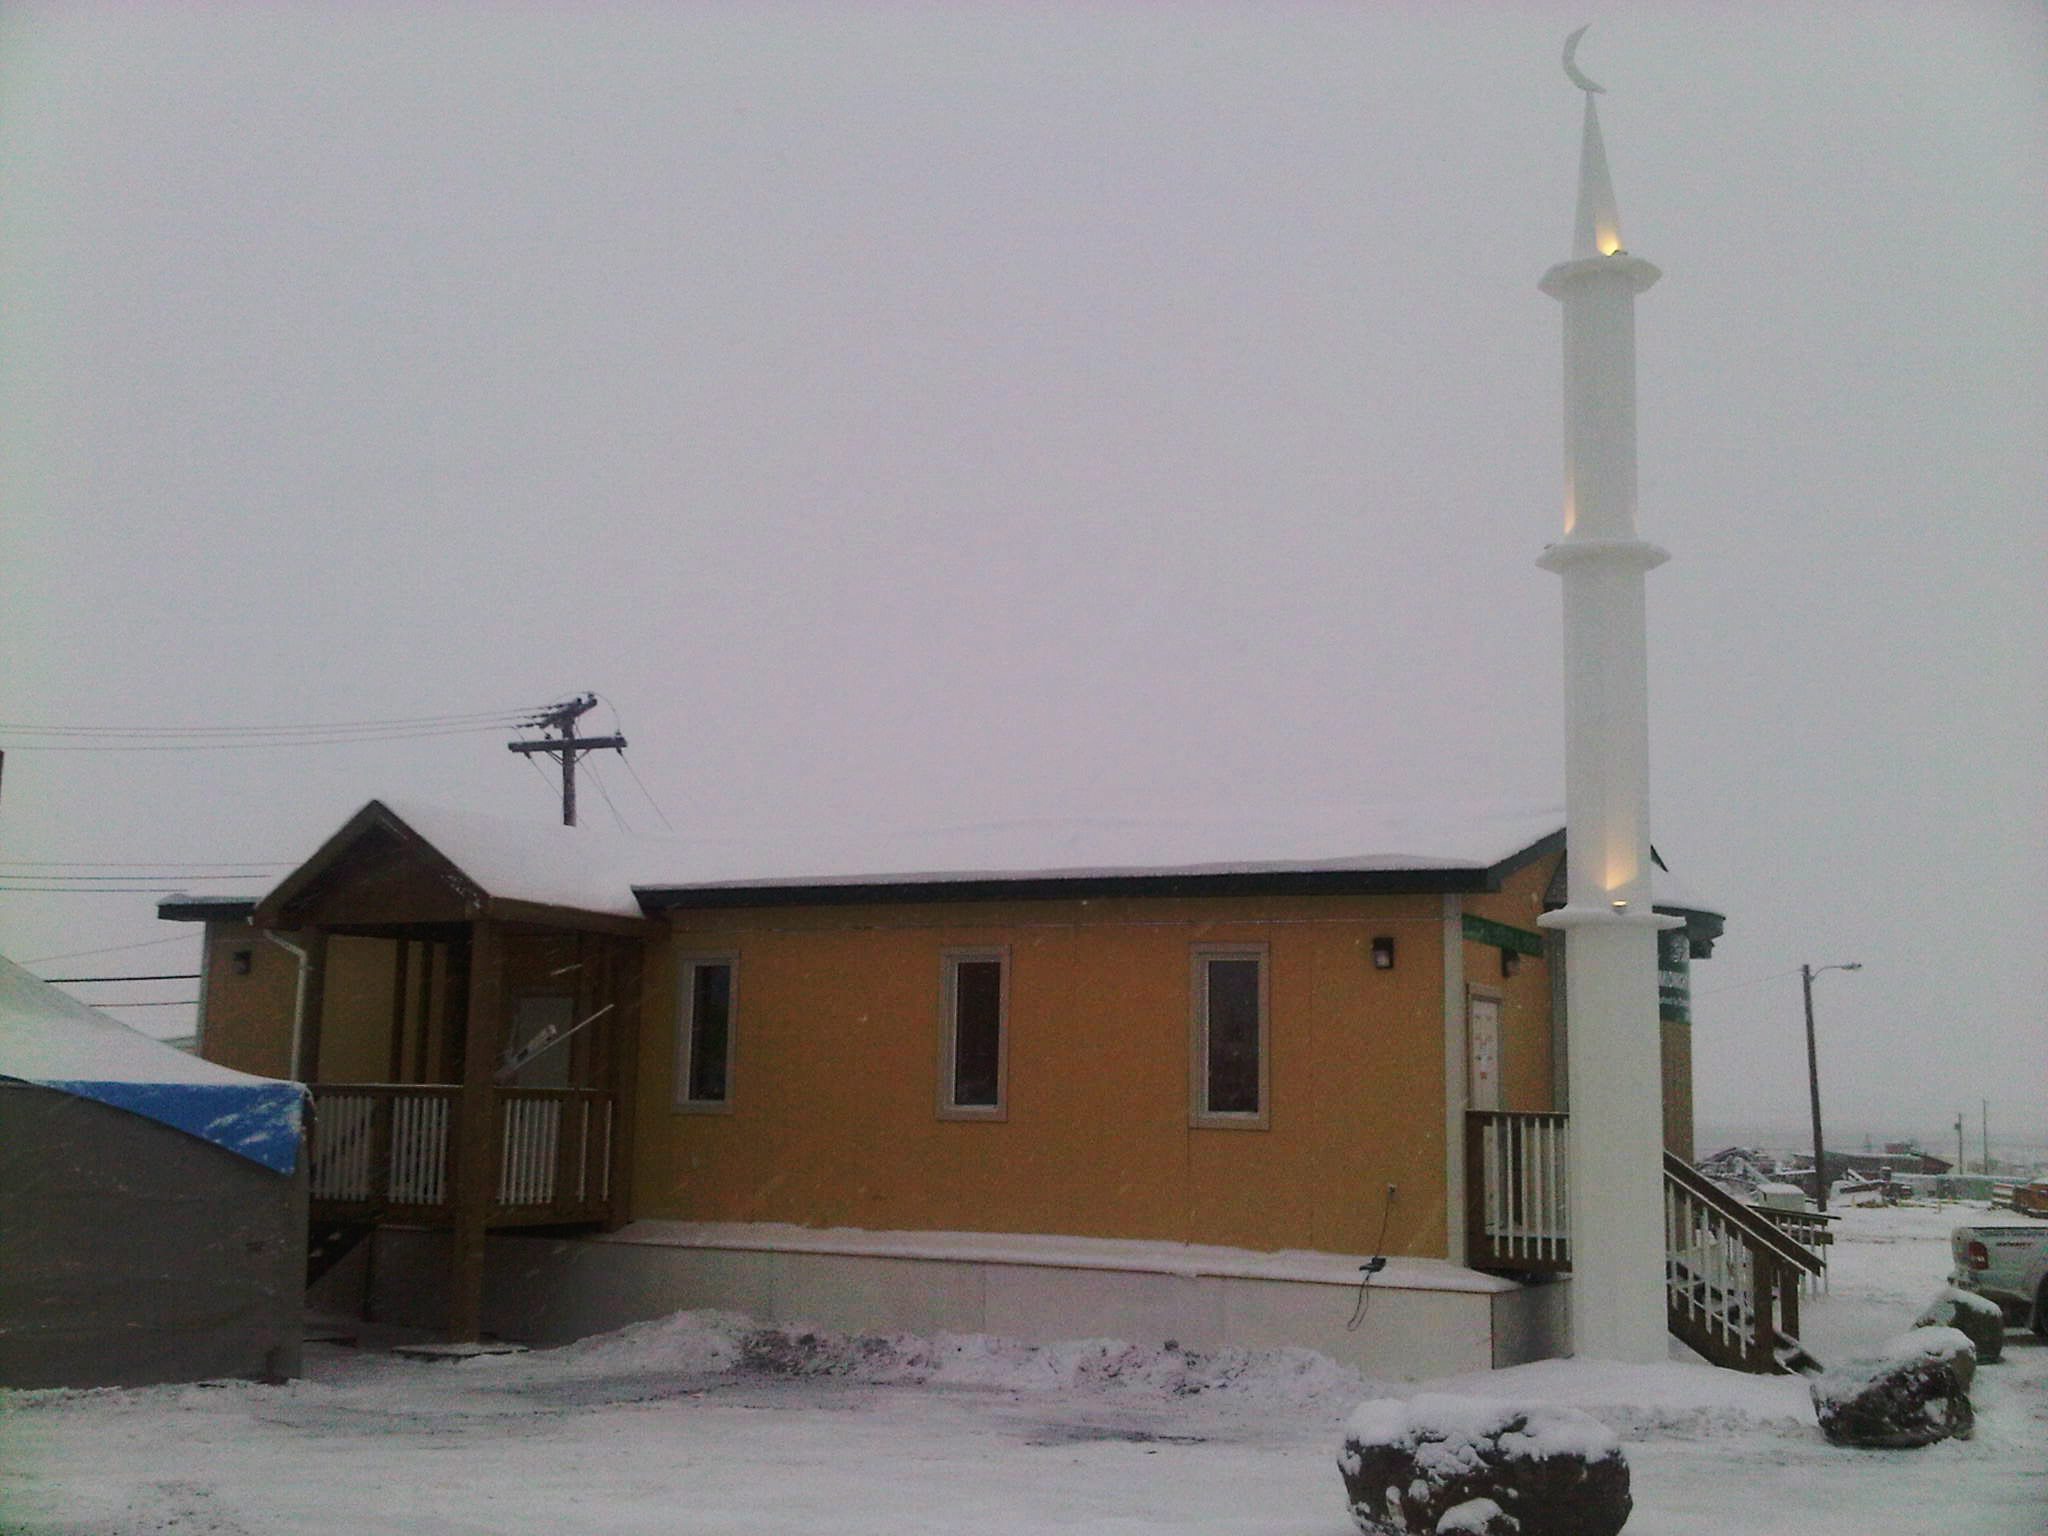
pixel 554 1147
pixel 1731 1279
pixel 382 1147
pixel 1517 1206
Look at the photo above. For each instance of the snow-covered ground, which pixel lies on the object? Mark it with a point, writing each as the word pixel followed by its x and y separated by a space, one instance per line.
pixel 701 1423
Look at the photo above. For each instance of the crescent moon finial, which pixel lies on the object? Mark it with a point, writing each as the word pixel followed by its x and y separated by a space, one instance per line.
pixel 1571 64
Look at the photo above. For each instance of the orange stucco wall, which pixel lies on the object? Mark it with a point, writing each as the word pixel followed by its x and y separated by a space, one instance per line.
pixel 1677 1062
pixel 1526 1075
pixel 833 1118
pixel 249 1017
pixel 248 1020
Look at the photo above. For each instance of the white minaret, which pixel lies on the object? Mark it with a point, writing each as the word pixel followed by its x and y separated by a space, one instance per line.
pixel 1616 1136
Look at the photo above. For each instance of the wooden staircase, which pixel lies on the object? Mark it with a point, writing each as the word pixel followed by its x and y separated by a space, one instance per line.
pixel 1732 1277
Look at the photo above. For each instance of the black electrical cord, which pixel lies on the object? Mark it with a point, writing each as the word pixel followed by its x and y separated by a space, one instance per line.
pixel 1371 1267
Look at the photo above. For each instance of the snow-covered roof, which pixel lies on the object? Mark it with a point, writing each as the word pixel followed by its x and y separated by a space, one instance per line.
pixel 54 1041
pixel 1671 894
pixel 1314 840
pixel 585 869
pixel 581 868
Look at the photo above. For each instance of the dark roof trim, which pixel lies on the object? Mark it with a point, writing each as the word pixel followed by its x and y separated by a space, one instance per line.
pixel 205 909
pixel 273 910
pixel 1081 887
pixel 1703 929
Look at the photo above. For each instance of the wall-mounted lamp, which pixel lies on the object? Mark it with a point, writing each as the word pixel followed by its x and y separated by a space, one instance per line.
pixel 1383 953
pixel 1619 906
pixel 1510 962
pixel 244 958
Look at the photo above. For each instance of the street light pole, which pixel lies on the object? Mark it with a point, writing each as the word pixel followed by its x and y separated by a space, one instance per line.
pixel 1820 1165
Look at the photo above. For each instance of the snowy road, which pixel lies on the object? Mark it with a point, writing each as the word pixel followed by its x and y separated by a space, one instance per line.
pixel 700 1425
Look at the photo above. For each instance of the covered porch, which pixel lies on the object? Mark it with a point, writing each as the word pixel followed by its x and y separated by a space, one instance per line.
pixel 473 1069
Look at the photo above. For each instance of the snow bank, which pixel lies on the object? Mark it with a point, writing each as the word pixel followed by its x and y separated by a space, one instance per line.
pixel 1643 1402
pixel 715 1343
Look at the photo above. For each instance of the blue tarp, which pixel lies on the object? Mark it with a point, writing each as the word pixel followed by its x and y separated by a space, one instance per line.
pixel 57 1042
pixel 259 1123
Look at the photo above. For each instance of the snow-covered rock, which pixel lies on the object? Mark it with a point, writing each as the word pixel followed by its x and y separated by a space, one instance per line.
pixel 1914 1393
pixel 1975 1315
pixel 1937 1343
pixel 1410 1466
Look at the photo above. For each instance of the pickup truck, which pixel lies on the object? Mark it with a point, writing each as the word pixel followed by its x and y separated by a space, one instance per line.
pixel 2008 1265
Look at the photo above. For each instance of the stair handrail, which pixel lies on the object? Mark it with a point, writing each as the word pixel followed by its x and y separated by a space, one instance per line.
pixel 1760 1231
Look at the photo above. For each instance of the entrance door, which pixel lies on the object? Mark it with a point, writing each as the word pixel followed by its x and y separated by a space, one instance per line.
pixel 537 1019
pixel 1482 1044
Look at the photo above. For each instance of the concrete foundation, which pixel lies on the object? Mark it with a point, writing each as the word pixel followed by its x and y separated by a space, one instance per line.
pixel 1425 1318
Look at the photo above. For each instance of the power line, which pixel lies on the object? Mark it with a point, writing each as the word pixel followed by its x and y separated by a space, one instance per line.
pixel 217 745
pixel 1755 981
pixel 146 863
pixel 111 949
pixel 134 874
pixel 72 981
pixel 474 717
pixel 619 728
pixel 646 795
pixel 598 779
pixel 160 888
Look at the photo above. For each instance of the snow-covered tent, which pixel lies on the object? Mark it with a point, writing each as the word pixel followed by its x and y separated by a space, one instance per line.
pixel 152 1205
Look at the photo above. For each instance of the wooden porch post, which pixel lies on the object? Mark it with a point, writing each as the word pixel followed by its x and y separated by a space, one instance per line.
pixel 400 980
pixel 422 1069
pixel 626 973
pixel 476 1162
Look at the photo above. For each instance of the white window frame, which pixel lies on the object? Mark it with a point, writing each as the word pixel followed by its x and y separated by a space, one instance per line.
pixel 1199 1113
pixel 950 961
pixel 687 967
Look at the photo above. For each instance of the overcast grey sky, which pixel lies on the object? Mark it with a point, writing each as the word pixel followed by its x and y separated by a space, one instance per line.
pixel 913 414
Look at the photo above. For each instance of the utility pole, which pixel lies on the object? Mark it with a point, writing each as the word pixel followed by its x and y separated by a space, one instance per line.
pixel 567 746
pixel 1820 1165
pixel 1960 1168
pixel 1985 1110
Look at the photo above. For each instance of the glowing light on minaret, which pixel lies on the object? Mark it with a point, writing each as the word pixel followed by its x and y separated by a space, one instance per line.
pixel 1613 1066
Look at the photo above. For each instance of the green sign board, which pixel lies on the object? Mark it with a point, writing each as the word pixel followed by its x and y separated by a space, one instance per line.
pixel 1674 976
pixel 1484 930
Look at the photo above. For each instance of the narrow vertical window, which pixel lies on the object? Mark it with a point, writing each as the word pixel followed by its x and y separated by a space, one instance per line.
pixel 1230 1070
pixel 704 1038
pixel 973 1050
